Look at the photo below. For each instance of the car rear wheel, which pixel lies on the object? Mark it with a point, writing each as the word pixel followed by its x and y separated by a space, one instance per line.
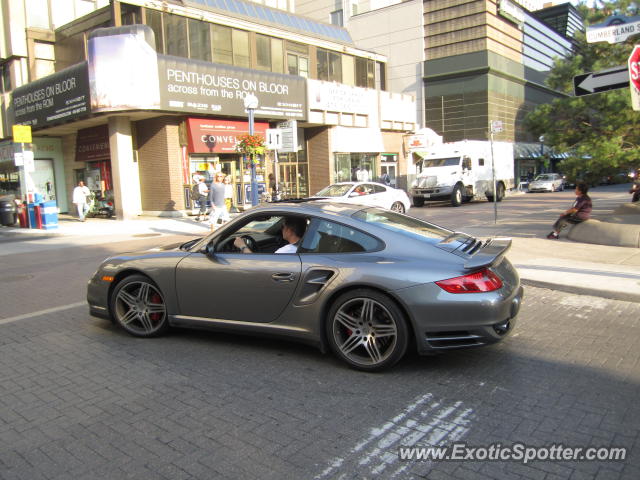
pixel 367 330
pixel 397 207
pixel 138 306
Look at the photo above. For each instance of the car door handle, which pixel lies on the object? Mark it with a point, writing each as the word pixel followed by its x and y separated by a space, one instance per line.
pixel 283 277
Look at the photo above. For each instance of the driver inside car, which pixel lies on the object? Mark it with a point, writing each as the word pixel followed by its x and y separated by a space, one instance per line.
pixel 293 229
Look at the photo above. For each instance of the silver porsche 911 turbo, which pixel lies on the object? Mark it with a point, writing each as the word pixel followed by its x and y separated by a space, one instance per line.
pixel 363 282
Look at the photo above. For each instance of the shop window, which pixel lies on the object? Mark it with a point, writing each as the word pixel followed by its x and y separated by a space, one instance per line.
pixel 354 167
pixel 222 44
pixel 175 29
pixel 240 41
pixel 199 40
pixel 381 76
pixel 154 21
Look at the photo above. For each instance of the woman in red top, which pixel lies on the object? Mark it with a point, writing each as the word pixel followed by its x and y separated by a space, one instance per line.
pixel 579 212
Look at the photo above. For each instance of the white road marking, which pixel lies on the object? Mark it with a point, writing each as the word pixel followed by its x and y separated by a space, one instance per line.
pixel 425 422
pixel 42 312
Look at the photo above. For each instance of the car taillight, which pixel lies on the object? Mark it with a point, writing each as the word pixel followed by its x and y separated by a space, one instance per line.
pixel 110 204
pixel 482 281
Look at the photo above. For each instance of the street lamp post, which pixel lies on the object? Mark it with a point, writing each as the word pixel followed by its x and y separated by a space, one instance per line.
pixel 541 138
pixel 250 104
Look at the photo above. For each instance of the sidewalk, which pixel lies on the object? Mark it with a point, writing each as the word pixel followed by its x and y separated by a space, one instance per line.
pixel 582 268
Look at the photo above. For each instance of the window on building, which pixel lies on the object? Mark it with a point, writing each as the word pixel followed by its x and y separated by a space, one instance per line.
pixel 199 40
pixel 37 13
pixel 240 41
pixel 44 57
pixel 175 30
pixel 263 52
pixel 5 78
pixel 381 76
pixel 337 18
pixel 297 59
pixel 222 44
pixel 277 55
pixel 365 73
pixel 348 70
pixel 329 65
pixel 154 21
pixel 130 15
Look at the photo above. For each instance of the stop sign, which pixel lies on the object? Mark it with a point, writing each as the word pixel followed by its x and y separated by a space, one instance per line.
pixel 634 77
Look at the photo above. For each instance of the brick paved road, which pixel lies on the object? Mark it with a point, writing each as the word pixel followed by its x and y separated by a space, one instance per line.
pixel 80 399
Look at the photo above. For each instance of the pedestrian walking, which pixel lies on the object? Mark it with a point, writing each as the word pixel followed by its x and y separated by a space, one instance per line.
pixel 579 212
pixel 81 198
pixel 218 205
pixel 202 191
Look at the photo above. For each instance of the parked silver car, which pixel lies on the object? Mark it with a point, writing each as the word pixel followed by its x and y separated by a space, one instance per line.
pixel 547 182
pixel 364 282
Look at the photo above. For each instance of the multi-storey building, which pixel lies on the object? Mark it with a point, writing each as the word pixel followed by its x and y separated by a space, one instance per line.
pixel 145 95
pixel 480 60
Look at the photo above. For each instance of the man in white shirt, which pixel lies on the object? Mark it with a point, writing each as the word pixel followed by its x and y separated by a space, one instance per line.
pixel 293 230
pixel 80 194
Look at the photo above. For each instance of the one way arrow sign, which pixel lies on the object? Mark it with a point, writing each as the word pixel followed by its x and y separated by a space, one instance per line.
pixel 596 82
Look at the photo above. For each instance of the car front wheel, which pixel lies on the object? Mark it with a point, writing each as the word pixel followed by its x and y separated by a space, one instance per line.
pixel 397 207
pixel 138 306
pixel 367 330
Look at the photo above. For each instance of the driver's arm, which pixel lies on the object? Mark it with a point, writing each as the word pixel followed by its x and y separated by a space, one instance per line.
pixel 240 243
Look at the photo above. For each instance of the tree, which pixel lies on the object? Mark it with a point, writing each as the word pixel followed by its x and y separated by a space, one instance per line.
pixel 600 132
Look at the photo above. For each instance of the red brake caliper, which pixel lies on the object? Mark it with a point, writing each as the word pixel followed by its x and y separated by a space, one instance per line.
pixel 155 298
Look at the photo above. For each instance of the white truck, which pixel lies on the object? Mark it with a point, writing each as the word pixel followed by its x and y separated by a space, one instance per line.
pixel 462 171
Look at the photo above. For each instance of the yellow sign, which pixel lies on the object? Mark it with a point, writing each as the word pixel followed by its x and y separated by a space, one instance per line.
pixel 21 134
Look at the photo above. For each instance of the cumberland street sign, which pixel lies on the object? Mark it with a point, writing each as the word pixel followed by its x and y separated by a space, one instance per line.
pixel 615 29
pixel 597 82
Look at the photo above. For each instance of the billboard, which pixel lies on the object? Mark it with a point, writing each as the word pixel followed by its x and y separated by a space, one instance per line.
pixel 56 98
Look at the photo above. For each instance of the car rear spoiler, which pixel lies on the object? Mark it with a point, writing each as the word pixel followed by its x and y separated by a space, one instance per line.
pixel 490 253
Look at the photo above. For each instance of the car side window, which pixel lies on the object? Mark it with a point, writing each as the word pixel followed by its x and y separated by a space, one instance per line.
pixel 329 237
pixel 379 189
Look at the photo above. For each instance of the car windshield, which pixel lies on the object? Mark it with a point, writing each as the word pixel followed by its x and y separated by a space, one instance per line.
pixel 336 190
pixel 543 178
pixel 441 162
pixel 409 226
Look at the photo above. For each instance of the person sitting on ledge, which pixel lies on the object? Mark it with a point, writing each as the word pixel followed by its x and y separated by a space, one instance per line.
pixel 579 212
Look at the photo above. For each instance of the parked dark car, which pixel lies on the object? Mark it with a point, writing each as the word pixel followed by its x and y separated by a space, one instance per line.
pixel 365 282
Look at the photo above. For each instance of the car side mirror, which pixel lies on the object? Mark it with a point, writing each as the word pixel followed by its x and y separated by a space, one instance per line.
pixel 209 249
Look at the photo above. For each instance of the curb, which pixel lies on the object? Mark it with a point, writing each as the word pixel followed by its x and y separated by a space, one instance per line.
pixel 592 292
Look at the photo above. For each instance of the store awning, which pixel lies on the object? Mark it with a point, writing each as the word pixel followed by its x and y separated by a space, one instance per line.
pixel 535 150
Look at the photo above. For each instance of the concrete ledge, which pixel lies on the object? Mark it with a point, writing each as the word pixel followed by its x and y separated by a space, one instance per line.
pixel 606 233
pixel 582 290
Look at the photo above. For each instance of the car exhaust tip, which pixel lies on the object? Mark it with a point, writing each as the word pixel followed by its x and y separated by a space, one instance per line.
pixel 502 328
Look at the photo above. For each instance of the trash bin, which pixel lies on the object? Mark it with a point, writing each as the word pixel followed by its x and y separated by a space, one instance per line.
pixel 7 213
pixel 49 211
pixel 35 220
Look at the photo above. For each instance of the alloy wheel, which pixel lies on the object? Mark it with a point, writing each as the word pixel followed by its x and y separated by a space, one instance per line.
pixel 139 307
pixel 365 332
